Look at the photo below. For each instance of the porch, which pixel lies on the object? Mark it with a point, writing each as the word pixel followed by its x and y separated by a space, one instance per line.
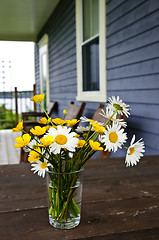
pixel 13 104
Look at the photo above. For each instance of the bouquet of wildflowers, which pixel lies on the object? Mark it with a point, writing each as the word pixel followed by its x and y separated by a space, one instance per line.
pixel 58 148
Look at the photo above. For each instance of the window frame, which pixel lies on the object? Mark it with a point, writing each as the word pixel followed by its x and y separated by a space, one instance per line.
pixel 93 96
pixel 43 49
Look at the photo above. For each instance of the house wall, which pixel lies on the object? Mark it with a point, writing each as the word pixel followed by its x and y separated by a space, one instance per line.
pixel 62 55
pixel 132 62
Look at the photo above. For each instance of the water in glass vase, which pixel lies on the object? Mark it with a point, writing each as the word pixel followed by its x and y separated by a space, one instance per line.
pixel 65 198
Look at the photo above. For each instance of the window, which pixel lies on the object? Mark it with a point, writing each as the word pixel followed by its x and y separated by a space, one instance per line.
pixel 44 69
pixel 91 50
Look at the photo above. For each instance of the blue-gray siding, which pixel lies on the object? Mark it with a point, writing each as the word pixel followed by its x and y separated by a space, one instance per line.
pixel 62 54
pixel 132 62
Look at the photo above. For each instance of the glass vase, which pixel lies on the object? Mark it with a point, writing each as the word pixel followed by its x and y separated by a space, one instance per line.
pixel 65 198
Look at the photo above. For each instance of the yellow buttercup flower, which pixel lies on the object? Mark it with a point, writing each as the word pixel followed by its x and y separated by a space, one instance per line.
pixel 77 136
pixel 47 141
pixel 22 141
pixel 34 155
pixel 71 122
pixel 81 143
pixel 92 121
pixel 99 129
pixel 38 130
pixel 19 127
pixel 95 145
pixel 47 128
pixel 58 121
pixel 44 120
pixel 37 98
pixel 65 111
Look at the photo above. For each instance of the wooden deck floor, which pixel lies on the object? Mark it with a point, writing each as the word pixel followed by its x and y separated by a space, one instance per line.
pixel 8 153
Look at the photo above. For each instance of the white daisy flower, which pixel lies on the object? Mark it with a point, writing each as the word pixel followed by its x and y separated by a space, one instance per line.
pixel 82 129
pixel 63 139
pixel 116 103
pixel 70 154
pixel 114 137
pixel 134 152
pixel 108 115
pixel 40 167
pixel 84 119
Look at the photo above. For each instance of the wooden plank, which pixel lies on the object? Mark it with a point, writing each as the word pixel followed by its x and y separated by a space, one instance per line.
pixel 146 125
pixel 67 96
pixel 127 9
pixel 150 110
pixel 69 67
pixel 145 24
pixel 127 14
pixel 146 234
pixel 134 83
pixel 112 5
pixel 64 79
pixel 150 139
pixel 63 20
pixel 65 52
pixel 136 56
pixel 97 219
pixel 16 104
pixel 65 62
pixel 22 186
pixel 117 202
pixel 104 180
pixel 138 96
pixel 65 89
pixel 143 39
pixel 136 69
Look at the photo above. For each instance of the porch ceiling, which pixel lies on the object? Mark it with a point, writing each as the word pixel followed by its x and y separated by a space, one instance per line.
pixel 22 20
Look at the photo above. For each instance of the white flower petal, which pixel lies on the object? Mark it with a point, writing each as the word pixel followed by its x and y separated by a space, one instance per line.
pixel 134 152
pixel 121 137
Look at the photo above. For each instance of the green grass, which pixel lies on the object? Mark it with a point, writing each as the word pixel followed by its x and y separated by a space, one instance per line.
pixel 7 118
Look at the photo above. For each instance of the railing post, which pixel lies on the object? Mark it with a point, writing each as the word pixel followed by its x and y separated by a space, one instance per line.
pixel 34 92
pixel 16 104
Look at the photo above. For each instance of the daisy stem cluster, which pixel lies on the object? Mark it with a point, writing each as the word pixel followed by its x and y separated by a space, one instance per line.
pixel 58 150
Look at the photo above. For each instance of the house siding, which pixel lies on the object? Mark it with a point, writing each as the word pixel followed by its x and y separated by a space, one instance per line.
pixel 62 55
pixel 132 62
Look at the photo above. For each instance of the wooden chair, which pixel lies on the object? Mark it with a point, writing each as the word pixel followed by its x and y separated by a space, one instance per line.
pixel 98 117
pixel 74 111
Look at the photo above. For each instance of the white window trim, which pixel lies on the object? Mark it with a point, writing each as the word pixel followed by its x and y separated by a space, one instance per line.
pixel 93 96
pixel 43 48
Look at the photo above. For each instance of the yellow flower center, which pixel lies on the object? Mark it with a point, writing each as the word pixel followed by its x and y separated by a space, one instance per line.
pixel 131 150
pixel 43 165
pixel 113 137
pixel 61 139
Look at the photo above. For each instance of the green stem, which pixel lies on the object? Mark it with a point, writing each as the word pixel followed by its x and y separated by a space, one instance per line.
pixel 45 113
pixel 110 117
pixel 125 147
